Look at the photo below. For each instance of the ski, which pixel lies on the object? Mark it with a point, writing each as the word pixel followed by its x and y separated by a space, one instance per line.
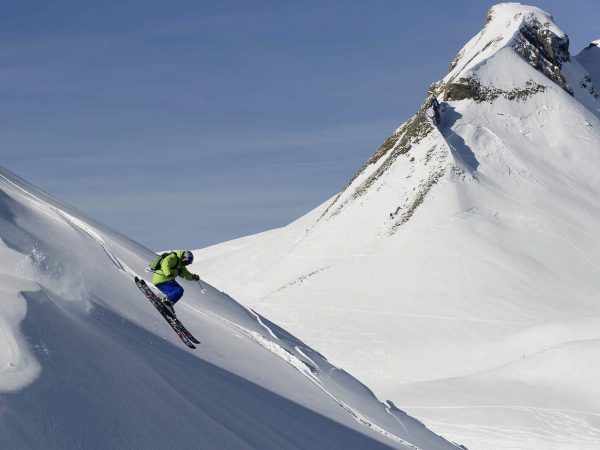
pixel 171 319
pixel 186 337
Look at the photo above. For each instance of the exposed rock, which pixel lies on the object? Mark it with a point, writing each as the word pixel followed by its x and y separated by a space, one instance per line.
pixel 489 16
pixel 399 143
pixel 411 132
pixel 456 59
pixel 587 83
pixel 409 209
pixel 544 50
pixel 471 88
pixel 460 55
pixel 414 131
pixel 383 149
pixel 534 41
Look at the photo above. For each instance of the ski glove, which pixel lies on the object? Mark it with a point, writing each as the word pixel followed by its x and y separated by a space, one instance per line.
pixel 196 277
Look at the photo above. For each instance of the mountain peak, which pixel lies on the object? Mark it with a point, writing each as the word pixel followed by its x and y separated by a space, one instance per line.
pixel 529 31
pixel 520 53
pixel 590 59
pixel 467 248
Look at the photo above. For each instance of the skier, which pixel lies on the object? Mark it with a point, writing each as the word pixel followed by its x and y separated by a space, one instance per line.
pixel 166 268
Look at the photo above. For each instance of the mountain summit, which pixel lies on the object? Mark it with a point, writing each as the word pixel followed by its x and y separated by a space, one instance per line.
pixel 458 271
pixel 519 54
pixel 590 59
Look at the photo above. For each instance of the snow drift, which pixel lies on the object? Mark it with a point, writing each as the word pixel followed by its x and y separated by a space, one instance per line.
pixel 87 362
pixel 458 272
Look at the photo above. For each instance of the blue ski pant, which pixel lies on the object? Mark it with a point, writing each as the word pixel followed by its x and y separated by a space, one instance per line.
pixel 172 290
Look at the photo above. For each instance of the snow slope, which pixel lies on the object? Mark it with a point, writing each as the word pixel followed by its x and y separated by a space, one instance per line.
pixel 589 58
pixel 458 272
pixel 87 362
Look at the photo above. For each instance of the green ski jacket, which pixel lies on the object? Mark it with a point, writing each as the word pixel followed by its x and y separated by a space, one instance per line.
pixel 170 268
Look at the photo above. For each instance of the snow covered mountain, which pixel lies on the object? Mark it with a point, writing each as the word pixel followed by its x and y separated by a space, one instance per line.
pixel 590 59
pixel 87 362
pixel 458 272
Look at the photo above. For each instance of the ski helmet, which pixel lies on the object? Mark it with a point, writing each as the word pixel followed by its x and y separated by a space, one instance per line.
pixel 187 258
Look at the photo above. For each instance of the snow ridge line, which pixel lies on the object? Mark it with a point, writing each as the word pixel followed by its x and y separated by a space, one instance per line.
pixel 259 320
pixel 307 371
pixel 297 280
pixel 388 409
pixel 21 189
pixel 78 224
pixel 264 342
pixel 304 355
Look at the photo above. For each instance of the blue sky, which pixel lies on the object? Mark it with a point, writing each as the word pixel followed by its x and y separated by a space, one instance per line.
pixel 187 123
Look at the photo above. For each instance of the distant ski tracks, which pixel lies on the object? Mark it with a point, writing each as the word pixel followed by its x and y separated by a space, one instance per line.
pixel 404 314
pixel 556 418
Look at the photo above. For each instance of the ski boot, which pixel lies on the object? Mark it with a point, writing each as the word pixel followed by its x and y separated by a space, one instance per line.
pixel 168 304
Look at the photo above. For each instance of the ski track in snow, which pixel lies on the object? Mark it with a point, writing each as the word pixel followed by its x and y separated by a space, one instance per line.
pixel 22 190
pixel 472 257
pixel 260 322
pixel 80 225
pixel 559 419
pixel 491 186
pixel 586 256
pixel 396 313
pixel 299 279
pixel 308 372
pixel 388 409
pixel 299 350
pixel 519 407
